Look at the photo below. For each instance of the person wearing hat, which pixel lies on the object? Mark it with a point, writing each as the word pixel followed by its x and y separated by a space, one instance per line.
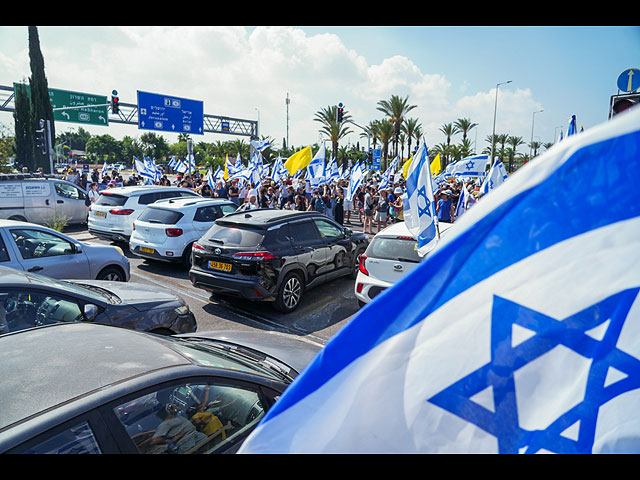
pixel 398 209
pixel 445 207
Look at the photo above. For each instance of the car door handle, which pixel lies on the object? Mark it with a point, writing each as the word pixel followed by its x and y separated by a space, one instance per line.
pixel 35 269
pixel 60 201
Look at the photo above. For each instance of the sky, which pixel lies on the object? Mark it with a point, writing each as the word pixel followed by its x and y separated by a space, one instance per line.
pixel 448 72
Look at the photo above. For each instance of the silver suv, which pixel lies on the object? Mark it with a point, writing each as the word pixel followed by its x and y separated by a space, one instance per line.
pixel 111 217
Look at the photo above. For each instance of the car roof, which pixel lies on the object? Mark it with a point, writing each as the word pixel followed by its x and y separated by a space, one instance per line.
pixel 400 229
pixel 18 223
pixel 38 360
pixel 181 202
pixel 139 189
pixel 10 276
pixel 265 217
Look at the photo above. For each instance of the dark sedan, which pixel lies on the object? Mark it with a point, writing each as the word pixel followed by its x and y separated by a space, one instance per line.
pixel 274 255
pixel 29 300
pixel 87 388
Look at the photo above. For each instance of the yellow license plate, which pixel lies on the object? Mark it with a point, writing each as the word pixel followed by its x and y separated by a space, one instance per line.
pixel 220 266
pixel 100 214
pixel 147 250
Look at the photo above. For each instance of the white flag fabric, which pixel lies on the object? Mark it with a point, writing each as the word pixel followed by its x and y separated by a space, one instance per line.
pixel 519 333
pixel 316 168
pixel 473 166
pixel 355 179
pixel 419 204
pixel 497 176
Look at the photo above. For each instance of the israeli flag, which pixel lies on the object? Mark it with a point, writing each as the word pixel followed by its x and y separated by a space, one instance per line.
pixel 519 333
pixel 473 166
pixel 211 178
pixel 260 145
pixel 173 162
pixel 104 169
pixel 572 130
pixel 496 176
pixel 419 203
pixel 333 172
pixel 463 202
pixel 355 179
pixel 315 170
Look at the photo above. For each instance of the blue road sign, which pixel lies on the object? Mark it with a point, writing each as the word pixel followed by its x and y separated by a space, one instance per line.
pixel 170 114
pixel 377 157
pixel 629 80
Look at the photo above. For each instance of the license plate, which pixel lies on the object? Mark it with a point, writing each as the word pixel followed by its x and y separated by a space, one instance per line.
pixel 147 250
pixel 220 266
pixel 100 214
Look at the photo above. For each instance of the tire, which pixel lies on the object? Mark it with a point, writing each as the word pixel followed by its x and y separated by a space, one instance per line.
pixel 356 264
pixel 289 293
pixel 112 274
pixel 186 257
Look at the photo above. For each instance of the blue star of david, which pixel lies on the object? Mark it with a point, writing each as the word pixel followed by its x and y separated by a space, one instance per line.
pixel 469 165
pixel 550 333
pixel 422 193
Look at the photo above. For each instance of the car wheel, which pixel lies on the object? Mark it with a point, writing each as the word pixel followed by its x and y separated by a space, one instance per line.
pixel 111 274
pixel 289 293
pixel 356 265
pixel 186 257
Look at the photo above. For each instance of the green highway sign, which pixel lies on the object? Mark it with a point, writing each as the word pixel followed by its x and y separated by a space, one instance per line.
pixel 78 107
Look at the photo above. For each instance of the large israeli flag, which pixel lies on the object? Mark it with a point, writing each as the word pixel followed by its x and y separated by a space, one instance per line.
pixel 418 202
pixel 519 333
pixel 355 179
pixel 473 166
pixel 316 168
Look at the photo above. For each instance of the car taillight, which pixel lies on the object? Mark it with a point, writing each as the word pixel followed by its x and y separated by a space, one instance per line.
pixel 405 238
pixel 197 246
pixel 173 232
pixel 120 211
pixel 256 255
pixel 362 267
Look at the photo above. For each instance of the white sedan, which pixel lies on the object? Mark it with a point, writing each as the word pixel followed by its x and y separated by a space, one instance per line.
pixel 391 255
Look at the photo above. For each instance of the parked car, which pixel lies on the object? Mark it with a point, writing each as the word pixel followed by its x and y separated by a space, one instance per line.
pixel 274 255
pixel 392 254
pixel 30 300
pixel 166 229
pixel 41 199
pixel 39 249
pixel 99 389
pixel 112 215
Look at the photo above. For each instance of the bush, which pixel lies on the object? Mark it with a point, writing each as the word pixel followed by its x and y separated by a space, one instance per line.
pixel 57 222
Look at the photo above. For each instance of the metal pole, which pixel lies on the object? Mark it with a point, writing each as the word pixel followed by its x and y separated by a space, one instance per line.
pixel 533 118
pixel 495 109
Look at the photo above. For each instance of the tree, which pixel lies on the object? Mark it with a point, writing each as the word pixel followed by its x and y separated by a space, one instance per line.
pixel 514 142
pixel 23 128
pixel 333 129
pixel 411 127
pixel 449 129
pixel 396 109
pixel 464 125
pixel 41 108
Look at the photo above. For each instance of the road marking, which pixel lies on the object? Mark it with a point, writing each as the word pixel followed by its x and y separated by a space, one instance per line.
pixel 202 298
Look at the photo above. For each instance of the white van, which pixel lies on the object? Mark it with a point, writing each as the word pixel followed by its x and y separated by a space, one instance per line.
pixel 40 199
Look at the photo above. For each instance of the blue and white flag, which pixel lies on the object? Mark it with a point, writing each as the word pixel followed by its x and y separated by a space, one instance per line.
pixel 211 179
pixel 572 130
pixel 519 333
pixel 355 179
pixel 333 171
pixel 463 202
pixel 260 145
pixel 474 166
pixel 104 168
pixel 315 170
pixel 496 176
pixel 418 202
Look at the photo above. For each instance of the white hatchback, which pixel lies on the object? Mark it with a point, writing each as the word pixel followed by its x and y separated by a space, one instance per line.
pixel 112 215
pixel 392 254
pixel 167 229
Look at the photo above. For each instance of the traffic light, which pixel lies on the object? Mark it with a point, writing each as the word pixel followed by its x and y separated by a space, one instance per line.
pixel 620 103
pixel 115 104
pixel 340 112
pixel 41 141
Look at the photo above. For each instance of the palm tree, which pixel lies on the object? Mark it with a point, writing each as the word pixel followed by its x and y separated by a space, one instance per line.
pixel 386 131
pixel 464 125
pixel 396 109
pixel 514 142
pixel 449 129
pixel 410 127
pixel 331 127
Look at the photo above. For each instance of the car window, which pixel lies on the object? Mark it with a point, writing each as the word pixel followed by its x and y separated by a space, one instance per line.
pixel 328 230
pixel 68 191
pixel 160 215
pixel 233 236
pixel 37 243
pixel 26 308
pixel 278 237
pixel 402 249
pixel 111 199
pixel 147 198
pixel 207 214
pixel 190 418
pixel 76 440
pixel 228 208
pixel 4 255
pixel 303 233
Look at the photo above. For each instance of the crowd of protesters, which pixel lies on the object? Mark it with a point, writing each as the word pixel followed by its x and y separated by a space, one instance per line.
pixel 374 207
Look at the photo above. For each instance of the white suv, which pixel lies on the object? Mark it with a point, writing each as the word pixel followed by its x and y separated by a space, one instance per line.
pixel 167 229
pixel 391 255
pixel 112 215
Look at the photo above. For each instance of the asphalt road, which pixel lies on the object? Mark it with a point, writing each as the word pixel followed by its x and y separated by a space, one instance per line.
pixel 323 311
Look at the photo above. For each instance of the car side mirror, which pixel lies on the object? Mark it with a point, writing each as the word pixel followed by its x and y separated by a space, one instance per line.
pixel 347 232
pixel 90 311
pixel 77 248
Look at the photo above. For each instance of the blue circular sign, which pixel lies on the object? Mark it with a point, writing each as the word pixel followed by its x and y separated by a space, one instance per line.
pixel 629 80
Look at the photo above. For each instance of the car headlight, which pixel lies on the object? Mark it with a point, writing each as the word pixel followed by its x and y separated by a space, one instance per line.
pixel 182 310
pixel 118 249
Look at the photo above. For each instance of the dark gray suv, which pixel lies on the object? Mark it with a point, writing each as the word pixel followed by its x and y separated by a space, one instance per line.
pixel 274 255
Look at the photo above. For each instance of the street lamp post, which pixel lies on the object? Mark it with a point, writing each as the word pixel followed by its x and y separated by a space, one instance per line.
pixel 532 121
pixel 495 109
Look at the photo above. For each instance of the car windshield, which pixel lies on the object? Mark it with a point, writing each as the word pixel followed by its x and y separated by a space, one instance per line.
pixel 111 199
pixel 210 353
pixel 98 294
pixel 234 236
pixel 160 215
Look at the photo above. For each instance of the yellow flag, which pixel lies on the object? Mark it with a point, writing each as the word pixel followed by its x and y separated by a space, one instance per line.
pixel 436 166
pixel 405 167
pixel 226 172
pixel 298 160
